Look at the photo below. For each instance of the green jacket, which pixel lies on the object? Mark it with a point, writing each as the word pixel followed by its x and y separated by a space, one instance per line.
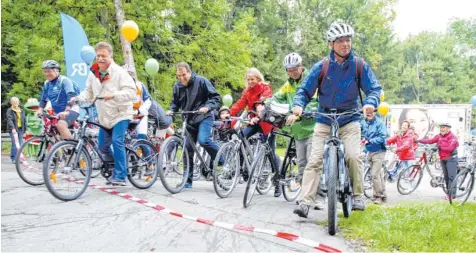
pixel 301 129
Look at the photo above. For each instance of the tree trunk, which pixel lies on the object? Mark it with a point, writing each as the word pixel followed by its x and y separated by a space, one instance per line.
pixel 126 45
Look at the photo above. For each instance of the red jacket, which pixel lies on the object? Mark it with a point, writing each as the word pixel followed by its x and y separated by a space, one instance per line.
pixel 250 97
pixel 447 144
pixel 405 145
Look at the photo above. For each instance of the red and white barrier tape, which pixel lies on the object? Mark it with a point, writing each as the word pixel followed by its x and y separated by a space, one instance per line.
pixel 282 235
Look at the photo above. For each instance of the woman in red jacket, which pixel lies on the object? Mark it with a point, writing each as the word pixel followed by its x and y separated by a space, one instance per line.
pixel 255 93
pixel 405 149
pixel 447 149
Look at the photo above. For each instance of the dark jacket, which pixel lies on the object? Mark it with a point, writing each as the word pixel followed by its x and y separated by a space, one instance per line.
pixel 12 120
pixel 375 133
pixel 198 93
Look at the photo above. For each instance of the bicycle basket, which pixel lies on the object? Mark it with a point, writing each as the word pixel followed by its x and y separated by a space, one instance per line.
pixel 276 114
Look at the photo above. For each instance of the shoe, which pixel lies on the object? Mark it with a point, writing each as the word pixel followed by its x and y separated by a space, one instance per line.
pixel 302 210
pixel 384 199
pixel 447 197
pixel 277 191
pixel 188 186
pixel 358 204
pixel 320 204
pixel 116 182
pixel 378 201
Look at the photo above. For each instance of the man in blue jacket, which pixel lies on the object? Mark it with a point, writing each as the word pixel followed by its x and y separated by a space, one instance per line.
pixel 339 90
pixel 375 134
pixel 195 93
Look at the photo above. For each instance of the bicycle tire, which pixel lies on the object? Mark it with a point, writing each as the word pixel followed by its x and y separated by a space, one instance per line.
pixel 254 176
pixel 347 205
pixel 368 186
pixel 46 174
pixel 224 150
pixel 468 188
pixel 262 188
pixel 150 179
pixel 416 171
pixel 332 190
pixel 290 180
pixel 41 154
pixel 163 154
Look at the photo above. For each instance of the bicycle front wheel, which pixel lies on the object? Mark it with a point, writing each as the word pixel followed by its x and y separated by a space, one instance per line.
pixel 368 190
pixel 63 176
pixel 291 187
pixel 462 186
pixel 30 158
pixel 253 179
pixel 173 164
pixel 332 182
pixel 409 179
pixel 225 176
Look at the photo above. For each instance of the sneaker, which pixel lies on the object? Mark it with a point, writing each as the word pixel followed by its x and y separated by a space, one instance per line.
pixel 302 210
pixel 358 204
pixel 384 199
pixel 116 182
pixel 377 201
pixel 277 191
pixel 320 204
pixel 188 186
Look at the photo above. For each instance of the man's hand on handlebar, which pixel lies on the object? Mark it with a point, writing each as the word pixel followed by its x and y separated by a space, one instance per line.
pixel 254 121
pixel 291 119
pixel 108 97
pixel 203 110
pixel 297 110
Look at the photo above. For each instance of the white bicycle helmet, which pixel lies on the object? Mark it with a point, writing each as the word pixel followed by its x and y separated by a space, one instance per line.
pixel 339 30
pixel 446 124
pixel 292 60
pixel 50 64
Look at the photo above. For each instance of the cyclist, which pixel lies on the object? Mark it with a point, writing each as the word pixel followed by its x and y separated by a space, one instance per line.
pixel 109 80
pixel 254 96
pixel 448 151
pixel 58 90
pixel 191 93
pixel 340 90
pixel 301 130
pixel 405 149
pixel 375 133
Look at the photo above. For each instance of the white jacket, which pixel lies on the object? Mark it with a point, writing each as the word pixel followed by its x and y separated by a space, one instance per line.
pixel 121 85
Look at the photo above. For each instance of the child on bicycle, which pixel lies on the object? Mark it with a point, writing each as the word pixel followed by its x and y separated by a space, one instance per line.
pixel 405 148
pixel 447 149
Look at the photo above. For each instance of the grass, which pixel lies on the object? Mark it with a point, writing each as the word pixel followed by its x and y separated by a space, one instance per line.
pixel 281 152
pixel 410 227
pixel 6 147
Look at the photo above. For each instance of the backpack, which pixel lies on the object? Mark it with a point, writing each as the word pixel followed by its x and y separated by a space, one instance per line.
pixel 359 65
pixel 61 78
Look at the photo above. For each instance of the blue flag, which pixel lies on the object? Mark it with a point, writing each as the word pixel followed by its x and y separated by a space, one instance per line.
pixel 74 39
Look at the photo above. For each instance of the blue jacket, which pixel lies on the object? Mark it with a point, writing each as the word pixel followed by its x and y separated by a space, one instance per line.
pixel 339 90
pixel 375 133
pixel 57 93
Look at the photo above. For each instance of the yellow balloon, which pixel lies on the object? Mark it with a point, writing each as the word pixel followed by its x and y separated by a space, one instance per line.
pixel 383 109
pixel 382 97
pixel 130 30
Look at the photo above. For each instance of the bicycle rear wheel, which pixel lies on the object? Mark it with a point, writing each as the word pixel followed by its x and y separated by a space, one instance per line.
pixel 173 160
pixel 463 185
pixel 225 176
pixel 264 181
pixel 332 182
pixel 255 172
pixel 29 164
pixel 291 187
pixel 142 163
pixel 63 178
pixel 409 179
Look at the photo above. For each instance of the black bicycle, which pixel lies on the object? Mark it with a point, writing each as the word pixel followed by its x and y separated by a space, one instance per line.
pixel 70 161
pixel 336 177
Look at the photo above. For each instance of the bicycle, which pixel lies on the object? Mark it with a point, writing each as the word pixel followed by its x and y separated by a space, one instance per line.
pixel 413 174
pixel 173 158
pixel 141 158
pixel 463 183
pixel 336 181
pixel 34 151
pixel 237 156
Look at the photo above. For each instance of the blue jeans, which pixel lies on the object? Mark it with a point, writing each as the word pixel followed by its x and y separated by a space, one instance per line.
pixel 401 165
pixel 13 149
pixel 115 136
pixel 202 132
pixel 253 129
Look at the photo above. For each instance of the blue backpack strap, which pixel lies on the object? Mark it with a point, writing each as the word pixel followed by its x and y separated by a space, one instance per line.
pixel 359 65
